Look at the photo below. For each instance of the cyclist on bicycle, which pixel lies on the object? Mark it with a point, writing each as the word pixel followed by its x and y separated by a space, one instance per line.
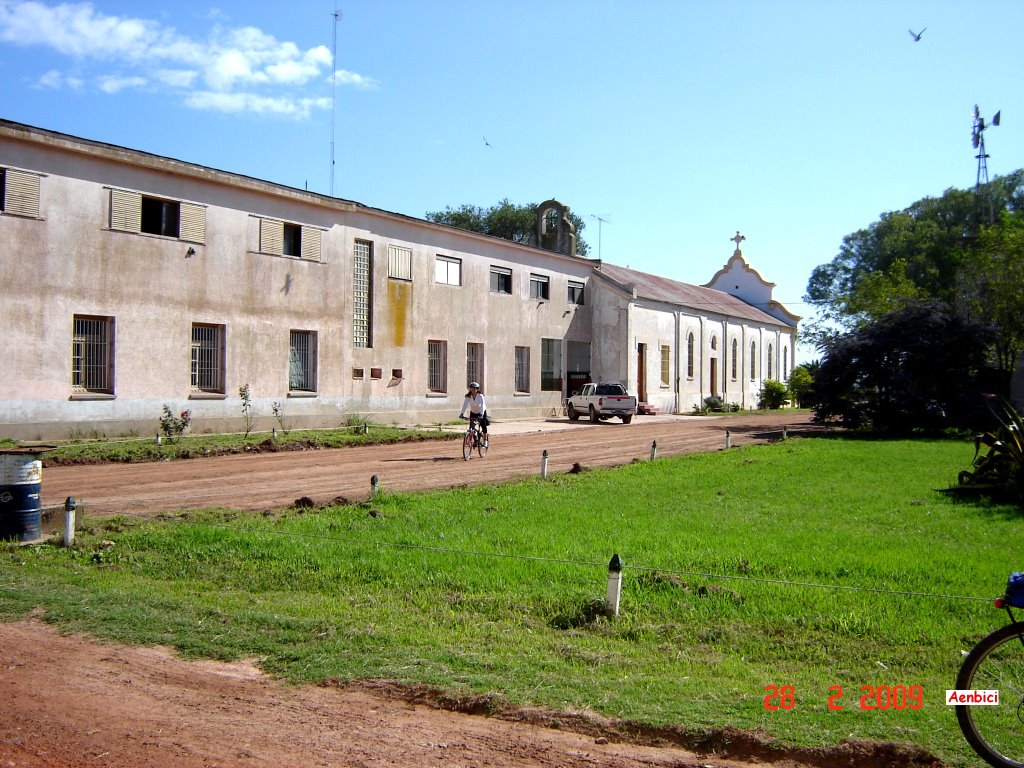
pixel 477 409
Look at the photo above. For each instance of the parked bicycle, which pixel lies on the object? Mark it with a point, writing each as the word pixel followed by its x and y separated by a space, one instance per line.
pixel 474 439
pixel 996 730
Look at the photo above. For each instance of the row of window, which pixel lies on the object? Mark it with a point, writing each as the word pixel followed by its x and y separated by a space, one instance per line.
pixel 734 359
pixel 92 360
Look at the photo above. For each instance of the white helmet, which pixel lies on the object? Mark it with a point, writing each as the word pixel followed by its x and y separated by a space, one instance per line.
pixel 474 385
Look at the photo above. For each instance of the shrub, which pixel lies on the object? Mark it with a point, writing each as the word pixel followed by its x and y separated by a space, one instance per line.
pixel 173 426
pixel 773 395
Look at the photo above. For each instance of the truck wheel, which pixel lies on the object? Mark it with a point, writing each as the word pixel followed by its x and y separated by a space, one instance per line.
pixel 626 418
pixel 594 418
pixel 574 415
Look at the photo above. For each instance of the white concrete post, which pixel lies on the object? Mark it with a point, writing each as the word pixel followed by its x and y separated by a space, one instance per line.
pixel 374 485
pixel 654 449
pixel 611 601
pixel 785 433
pixel 544 464
pixel 69 521
pixel 728 439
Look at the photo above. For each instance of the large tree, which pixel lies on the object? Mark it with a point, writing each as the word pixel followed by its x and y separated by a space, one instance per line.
pixel 946 249
pixel 921 365
pixel 506 220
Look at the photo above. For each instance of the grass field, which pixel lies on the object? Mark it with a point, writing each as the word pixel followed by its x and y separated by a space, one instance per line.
pixel 732 559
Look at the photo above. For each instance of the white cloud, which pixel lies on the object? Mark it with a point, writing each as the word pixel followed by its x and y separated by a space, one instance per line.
pixel 243 69
pixel 54 80
pixel 178 78
pixel 112 84
pixel 249 102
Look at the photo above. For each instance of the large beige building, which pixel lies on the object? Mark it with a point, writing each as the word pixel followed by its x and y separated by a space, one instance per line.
pixel 131 281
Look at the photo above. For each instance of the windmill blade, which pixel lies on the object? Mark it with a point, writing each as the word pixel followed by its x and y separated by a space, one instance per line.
pixel 995 120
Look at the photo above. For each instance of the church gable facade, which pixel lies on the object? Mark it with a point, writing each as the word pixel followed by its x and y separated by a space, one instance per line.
pixel 132 281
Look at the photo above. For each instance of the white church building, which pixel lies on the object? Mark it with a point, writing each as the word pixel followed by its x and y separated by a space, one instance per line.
pixel 131 281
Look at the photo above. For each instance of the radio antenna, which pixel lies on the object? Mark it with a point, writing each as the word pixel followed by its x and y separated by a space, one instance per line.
pixel 334 86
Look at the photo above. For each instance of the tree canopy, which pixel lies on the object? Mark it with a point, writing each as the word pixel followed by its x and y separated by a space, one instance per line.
pixel 917 366
pixel 963 251
pixel 506 220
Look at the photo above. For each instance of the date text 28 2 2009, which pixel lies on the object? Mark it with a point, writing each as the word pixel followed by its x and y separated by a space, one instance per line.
pixel 872 697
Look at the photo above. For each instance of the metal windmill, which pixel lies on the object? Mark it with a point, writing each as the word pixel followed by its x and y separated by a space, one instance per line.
pixel 978 142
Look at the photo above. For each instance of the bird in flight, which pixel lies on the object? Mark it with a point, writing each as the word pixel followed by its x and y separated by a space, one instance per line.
pixel 916 35
pixel 487 143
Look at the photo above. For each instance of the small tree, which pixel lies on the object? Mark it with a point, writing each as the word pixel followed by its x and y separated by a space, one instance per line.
pixel 773 395
pixel 247 409
pixel 801 386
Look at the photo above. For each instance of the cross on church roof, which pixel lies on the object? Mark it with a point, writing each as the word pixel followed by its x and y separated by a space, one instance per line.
pixel 738 239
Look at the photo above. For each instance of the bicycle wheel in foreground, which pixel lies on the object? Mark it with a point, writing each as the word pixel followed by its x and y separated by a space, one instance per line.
pixel 467 445
pixel 996 732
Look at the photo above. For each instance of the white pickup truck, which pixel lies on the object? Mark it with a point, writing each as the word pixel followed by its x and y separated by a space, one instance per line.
pixel 602 401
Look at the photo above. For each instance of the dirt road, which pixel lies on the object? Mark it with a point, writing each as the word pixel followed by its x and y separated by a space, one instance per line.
pixel 274 480
pixel 70 701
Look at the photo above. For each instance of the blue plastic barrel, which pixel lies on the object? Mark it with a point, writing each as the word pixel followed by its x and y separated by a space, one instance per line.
pixel 21 479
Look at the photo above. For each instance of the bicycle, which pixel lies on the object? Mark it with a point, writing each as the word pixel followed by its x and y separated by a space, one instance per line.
pixel 996 730
pixel 474 440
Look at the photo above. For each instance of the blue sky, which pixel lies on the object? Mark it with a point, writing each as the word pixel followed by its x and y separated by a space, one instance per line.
pixel 677 123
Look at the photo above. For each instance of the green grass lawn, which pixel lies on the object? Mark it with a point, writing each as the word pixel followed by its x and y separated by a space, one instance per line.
pixel 493 590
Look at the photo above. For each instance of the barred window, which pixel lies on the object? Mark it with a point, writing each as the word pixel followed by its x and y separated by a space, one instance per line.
pixel 302 361
pixel 207 358
pixel 666 365
pixel 399 262
pixel 92 354
pixel 361 294
pixel 768 361
pixel 437 366
pixel 522 369
pixel 475 364
pixel 551 365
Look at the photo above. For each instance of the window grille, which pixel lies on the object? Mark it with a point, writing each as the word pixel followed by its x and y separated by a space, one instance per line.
pixel 550 365
pixel 361 294
pixel 208 358
pixel 302 361
pixel 92 360
pixel 475 364
pixel 666 365
pixel 437 366
pixel 399 262
pixel 522 369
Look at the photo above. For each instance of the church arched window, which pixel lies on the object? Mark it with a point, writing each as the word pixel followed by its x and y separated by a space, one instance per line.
pixel 689 355
pixel 735 358
pixel 753 360
pixel 769 360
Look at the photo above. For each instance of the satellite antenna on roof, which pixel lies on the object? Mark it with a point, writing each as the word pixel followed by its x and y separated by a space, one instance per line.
pixel 334 87
pixel 978 142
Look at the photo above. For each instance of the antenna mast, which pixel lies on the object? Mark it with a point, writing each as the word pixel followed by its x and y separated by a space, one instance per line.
pixel 600 220
pixel 334 86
